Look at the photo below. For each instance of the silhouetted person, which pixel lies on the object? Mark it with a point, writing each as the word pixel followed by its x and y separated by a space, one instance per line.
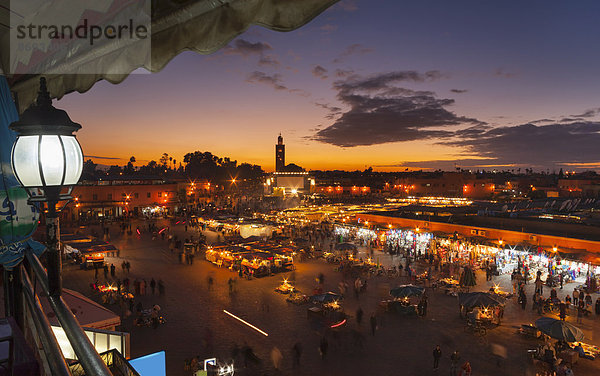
pixel 359 316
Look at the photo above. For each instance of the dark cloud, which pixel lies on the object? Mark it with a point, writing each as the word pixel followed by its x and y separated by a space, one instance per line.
pixel 384 81
pixel 271 80
pixel 319 71
pixel 588 113
pixel 542 121
pixel 268 61
pixel 333 111
pixel 570 119
pixel 541 145
pixel 343 73
pixel 353 49
pixel 380 112
pixel 458 91
pixel 246 48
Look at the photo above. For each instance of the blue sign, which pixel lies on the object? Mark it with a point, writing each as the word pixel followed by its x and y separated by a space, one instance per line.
pixel 150 365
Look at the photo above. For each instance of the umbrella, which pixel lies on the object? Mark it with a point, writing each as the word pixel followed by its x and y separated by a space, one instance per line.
pixel 328 297
pixel 345 247
pixel 405 291
pixel 559 329
pixel 479 299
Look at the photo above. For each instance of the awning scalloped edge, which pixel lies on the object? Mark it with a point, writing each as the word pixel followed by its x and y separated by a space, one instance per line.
pixel 204 26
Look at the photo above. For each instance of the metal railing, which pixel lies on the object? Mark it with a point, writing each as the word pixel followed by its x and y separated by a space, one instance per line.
pixel 90 360
pixel 114 360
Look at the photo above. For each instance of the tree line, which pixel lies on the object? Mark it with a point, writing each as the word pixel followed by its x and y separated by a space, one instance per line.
pixel 195 165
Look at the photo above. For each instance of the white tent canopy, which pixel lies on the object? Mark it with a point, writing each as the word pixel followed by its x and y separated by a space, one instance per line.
pixel 203 26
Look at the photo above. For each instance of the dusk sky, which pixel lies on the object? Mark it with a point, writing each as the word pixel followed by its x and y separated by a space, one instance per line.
pixel 387 84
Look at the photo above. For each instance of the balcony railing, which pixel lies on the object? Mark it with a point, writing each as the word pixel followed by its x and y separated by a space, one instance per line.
pixel 115 362
pixel 36 324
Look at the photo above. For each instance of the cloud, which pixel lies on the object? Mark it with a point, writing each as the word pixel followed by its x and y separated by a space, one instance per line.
pixel 588 113
pixel 343 73
pixel 319 72
pixel 353 49
pixel 537 145
pixel 347 5
pixel 381 113
pixel 333 111
pixel 458 91
pixel 383 82
pixel 268 61
pixel 500 72
pixel 542 121
pixel 270 80
pixel 328 28
pixel 98 157
pixel 246 48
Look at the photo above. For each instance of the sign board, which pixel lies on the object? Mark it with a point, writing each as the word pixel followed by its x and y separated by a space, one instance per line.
pixel 150 365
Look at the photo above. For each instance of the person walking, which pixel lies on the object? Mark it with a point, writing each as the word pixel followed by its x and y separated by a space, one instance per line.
pixel 143 287
pixel 323 346
pixel 359 316
pixel 105 271
pixel 112 270
pixel 373 322
pixel 561 280
pixel 424 305
pixel 580 312
pixel 575 297
pixel 466 369
pixel 454 359
pixel 562 311
pixel 296 354
pixel 161 287
pixel 276 358
pixel 152 285
pixel 128 266
pixel 523 299
pixel 437 354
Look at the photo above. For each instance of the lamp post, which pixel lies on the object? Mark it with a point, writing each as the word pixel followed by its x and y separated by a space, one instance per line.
pixel 46 159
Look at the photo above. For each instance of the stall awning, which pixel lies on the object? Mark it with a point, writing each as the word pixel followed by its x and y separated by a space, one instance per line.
pixel 203 26
pixel 88 313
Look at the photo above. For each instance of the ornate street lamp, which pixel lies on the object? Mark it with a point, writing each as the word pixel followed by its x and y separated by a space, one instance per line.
pixel 46 159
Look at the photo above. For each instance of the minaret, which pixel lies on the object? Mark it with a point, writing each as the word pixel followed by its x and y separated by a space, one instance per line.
pixel 279 154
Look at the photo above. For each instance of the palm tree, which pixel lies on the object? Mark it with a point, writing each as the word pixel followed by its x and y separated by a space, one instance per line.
pixel 164 159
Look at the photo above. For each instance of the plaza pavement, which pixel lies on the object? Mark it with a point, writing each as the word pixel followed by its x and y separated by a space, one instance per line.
pixel 196 324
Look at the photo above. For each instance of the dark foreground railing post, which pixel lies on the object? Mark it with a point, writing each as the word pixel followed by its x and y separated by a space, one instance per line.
pixel 54 355
pixel 87 355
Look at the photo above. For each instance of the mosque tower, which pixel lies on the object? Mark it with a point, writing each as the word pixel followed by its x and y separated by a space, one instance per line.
pixel 279 154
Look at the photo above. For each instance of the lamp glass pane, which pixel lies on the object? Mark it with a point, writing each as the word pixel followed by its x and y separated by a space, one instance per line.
pixel 52 160
pixel 74 160
pixel 25 161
